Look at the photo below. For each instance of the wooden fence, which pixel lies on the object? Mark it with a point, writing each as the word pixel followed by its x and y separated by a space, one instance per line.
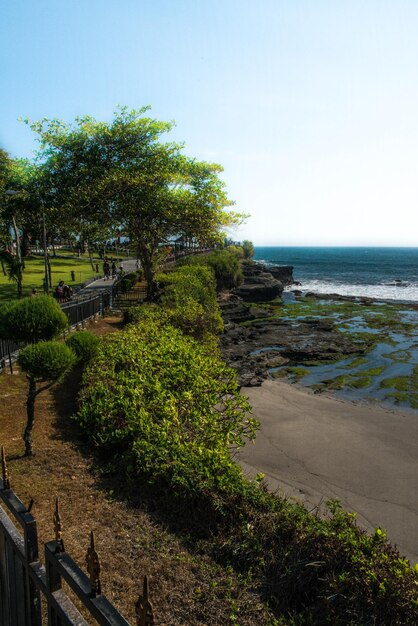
pixel 32 594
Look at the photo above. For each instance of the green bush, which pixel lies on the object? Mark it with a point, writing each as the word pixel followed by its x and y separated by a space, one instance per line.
pixel 237 250
pixel 157 396
pixel 32 319
pixel 189 298
pixel 248 249
pixel 125 285
pixel 84 345
pixel 225 265
pixel 147 312
pixel 46 360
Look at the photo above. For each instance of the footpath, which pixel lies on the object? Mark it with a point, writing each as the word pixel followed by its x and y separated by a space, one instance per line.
pixel 101 284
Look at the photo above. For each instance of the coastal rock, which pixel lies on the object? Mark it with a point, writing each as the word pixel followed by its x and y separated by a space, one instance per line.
pixel 283 273
pixel 237 311
pixel 264 345
pixel 259 287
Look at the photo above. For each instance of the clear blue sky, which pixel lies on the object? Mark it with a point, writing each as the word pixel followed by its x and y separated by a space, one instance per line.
pixel 311 106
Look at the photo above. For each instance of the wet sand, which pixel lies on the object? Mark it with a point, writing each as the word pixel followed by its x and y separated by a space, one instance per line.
pixel 314 448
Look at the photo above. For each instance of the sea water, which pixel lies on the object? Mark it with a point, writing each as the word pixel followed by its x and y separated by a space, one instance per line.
pixel 383 273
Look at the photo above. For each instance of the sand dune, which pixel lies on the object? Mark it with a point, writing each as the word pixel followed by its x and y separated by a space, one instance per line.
pixel 315 447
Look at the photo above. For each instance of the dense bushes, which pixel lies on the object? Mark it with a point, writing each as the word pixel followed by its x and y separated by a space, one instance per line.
pixel 84 345
pixel 225 265
pixel 128 282
pixel 32 319
pixel 187 302
pixel 189 298
pixel 158 397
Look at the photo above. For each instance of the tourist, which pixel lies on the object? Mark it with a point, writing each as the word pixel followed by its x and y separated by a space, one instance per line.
pixel 106 269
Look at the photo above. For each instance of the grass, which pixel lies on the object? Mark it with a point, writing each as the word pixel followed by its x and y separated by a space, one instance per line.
pixel 35 271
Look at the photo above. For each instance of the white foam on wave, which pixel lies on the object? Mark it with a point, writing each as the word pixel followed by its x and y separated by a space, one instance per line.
pixel 407 293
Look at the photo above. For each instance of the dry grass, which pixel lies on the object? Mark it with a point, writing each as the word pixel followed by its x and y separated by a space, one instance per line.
pixel 186 588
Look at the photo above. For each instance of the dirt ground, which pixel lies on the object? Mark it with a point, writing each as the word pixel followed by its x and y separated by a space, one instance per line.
pixel 186 587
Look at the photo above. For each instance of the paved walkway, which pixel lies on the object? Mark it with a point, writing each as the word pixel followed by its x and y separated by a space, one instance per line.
pixel 102 283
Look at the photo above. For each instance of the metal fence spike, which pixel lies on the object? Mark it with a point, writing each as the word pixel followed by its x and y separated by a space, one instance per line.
pixel 58 527
pixel 4 470
pixel 93 568
pixel 143 608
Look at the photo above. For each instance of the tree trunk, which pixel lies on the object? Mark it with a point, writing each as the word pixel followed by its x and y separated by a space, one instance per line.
pixel 18 254
pixel 30 411
pixel 90 256
pixel 49 271
pixel 19 283
pixel 3 268
pixel 147 266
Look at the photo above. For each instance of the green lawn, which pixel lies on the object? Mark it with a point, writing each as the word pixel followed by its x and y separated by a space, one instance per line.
pixel 61 270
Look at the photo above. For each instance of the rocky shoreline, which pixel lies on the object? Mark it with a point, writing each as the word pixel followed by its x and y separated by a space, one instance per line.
pixel 258 340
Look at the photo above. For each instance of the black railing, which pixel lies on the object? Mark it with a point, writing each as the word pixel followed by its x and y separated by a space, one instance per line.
pixel 25 582
pixel 82 309
pixel 123 298
pixel 7 352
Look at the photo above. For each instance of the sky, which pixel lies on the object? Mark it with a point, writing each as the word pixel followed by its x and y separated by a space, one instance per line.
pixel 310 106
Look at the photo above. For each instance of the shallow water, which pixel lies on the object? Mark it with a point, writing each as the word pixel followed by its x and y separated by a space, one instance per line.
pixel 396 356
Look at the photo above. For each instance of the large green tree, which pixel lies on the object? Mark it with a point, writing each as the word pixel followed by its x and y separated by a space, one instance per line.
pixel 122 173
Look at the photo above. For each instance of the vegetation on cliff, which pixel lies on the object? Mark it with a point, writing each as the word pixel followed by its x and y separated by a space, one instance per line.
pixel 166 412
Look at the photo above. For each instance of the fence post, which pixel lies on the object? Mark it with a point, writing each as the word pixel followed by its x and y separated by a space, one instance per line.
pixel 143 608
pixel 10 357
pixel 53 577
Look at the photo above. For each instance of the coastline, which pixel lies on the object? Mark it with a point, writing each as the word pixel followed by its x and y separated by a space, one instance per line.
pixel 317 447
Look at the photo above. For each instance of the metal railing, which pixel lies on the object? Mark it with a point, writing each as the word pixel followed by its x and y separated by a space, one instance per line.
pixel 25 583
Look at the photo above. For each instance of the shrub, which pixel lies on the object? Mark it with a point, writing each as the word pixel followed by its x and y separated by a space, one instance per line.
pixel 225 266
pixel 46 361
pixel 189 298
pixel 237 250
pixel 32 319
pixel 159 397
pixel 248 249
pixel 145 312
pixel 84 345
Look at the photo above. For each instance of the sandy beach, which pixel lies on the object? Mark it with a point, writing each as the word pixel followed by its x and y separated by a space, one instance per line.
pixel 314 447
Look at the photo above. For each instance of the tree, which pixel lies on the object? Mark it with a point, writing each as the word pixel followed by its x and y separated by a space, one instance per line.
pixel 248 248
pixel 32 319
pixel 46 362
pixel 121 173
pixel 19 211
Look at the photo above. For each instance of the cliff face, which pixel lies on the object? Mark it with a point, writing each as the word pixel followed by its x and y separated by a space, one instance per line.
pixel 284 273
pixel 258 285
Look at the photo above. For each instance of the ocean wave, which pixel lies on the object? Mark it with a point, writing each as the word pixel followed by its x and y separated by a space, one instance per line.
pixel 405 293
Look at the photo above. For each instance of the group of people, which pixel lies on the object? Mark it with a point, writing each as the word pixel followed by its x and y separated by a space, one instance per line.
pixel 110 269
pixel 63 292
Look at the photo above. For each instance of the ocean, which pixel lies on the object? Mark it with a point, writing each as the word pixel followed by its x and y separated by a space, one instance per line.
pixel 382 273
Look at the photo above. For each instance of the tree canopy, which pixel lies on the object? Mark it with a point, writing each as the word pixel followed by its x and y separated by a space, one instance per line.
pixel 101 175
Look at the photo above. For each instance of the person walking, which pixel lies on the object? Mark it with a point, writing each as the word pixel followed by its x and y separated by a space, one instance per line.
pixel 106 269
